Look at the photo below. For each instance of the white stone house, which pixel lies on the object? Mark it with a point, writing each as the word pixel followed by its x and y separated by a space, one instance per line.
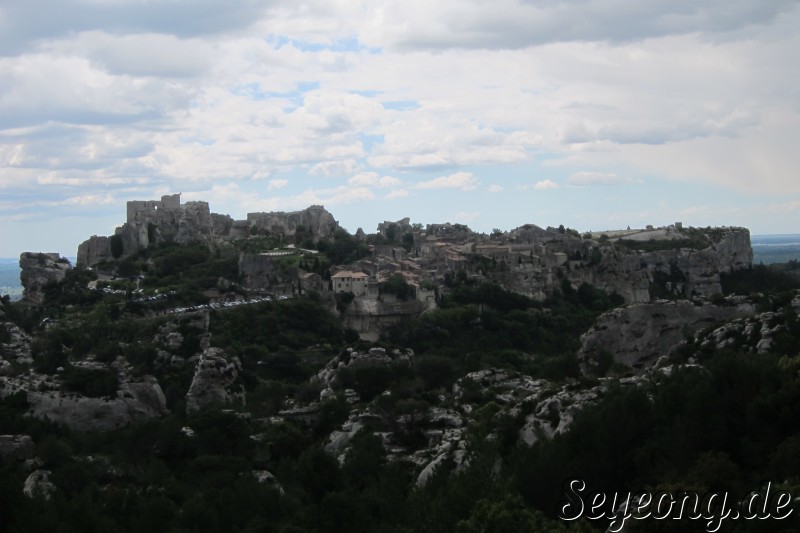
pixel 348 281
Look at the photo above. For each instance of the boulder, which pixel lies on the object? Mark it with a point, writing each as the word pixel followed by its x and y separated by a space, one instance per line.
pixel 38 485
pixel 215 381
pixel 16 448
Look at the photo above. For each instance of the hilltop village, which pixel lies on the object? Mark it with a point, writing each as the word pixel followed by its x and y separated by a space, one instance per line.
pixel 403 268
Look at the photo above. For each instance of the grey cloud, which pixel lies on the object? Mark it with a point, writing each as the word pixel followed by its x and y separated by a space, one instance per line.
pixel 657 132
pixel 511 24
pixel 592 179
pixel 22 23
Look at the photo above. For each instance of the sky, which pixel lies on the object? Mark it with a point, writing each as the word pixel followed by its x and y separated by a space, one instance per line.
pixel 594 114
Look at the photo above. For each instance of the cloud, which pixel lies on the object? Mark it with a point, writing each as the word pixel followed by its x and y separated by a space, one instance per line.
pixel 82 200
pixel 464 181
pixel 329 169
pixel 22 24
pixel 397 193
pixel 373 179
pixel 509 24
pixel 545 185
pixel 125 97
pixel 495 188
pixel 593 179
pixel 277 184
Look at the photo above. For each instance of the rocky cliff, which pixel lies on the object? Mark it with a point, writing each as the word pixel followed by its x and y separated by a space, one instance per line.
pixel 371 317
pixel 154 222
pixel 679 264
pixel 681 271
pixel 315 221
pixel 39 270
pixel 637 335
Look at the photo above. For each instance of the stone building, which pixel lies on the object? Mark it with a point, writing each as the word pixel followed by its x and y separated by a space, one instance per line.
pixel 348 281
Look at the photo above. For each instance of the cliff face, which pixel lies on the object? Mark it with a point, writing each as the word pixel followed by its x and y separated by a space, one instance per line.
pixel 636 275
pixel 637 335
pixel 315 220
pixel 93 250
pixel 371 317
pixel 641 276
pixel 39 270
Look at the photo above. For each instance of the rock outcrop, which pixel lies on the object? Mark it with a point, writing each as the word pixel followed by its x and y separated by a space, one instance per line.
pixel 215 381
pixel 637 335
pixel 38 485
pixel 680 272
pixel 134 401
pixel 328 376
pixel 154 222
pixel 314 221
pixel 16 344
pixel 641 267
pixel 265 272
pixel 371 317
pixel 94 250
pixel 16 448
pixel 39 270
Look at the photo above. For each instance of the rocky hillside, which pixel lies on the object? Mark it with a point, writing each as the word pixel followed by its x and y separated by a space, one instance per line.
pixel 209 390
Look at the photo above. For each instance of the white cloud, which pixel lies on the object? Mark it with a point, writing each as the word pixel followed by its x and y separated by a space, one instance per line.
pixel 373 179
pixel 591 179
pixel 464 181
pixel 545 185
pixel 495 188
pixel 329 169
pixel 519 24
pixel 82 200
pixel 115 97
pixel 397 193
pixel 277 184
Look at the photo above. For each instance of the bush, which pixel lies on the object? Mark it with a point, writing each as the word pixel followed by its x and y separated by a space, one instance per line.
pixel 95 383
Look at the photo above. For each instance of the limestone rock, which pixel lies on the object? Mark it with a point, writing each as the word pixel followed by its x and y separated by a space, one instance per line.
pixel 134 401
pixel 370 317
pixel 18 346
pixel 215 381
pixel 16 448
pixel 315 220
pixel 38 485
pixel 754 334
pixel 39 270
pixel 637 335
pixel 265 476
pixel 94 250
